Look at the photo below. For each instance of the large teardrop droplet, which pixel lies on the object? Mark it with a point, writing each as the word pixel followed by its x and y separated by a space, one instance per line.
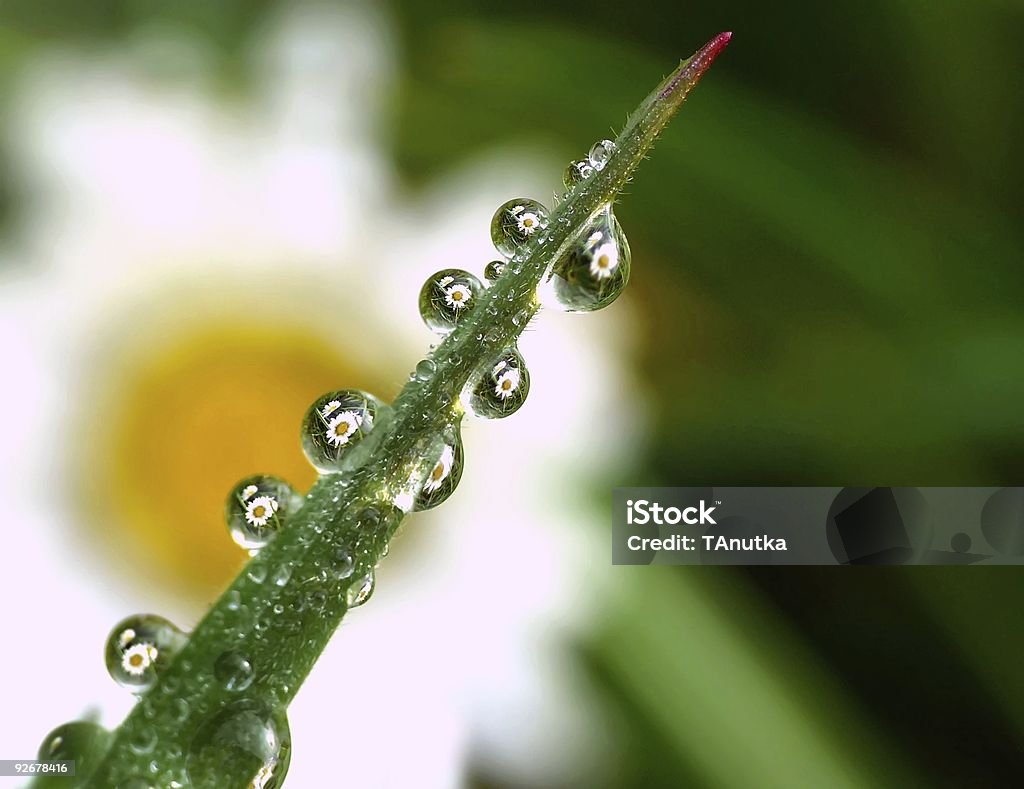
pixel 258 508
pixel 360 590
pixel 515 223
pixel 445 472
pixel 83 742
pixel 501 389
pixel 246 740
pixel 139 647
pixel 593 273
pixel 446 297
pixel 335 424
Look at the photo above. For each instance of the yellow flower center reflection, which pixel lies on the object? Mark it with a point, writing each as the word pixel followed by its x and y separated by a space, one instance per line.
pixel 179 425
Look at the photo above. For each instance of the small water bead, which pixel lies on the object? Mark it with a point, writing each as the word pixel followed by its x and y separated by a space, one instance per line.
pixel 246 739
pixel 577 172
pixel 233 671
pixel 515 223
pixel 369 518
pixel 140 647
pixel 600 153
pixel 343 564
pixel 336 423
pixel 425 369
pixel 179 710
pixel 360 590
pixel 494 269
pixel 282 575
pixel 594 273
pixel 143 739
pixel 257 508
pixel 257 572
pixel 501 390
pixel 83 742
pixel 446 297
pixel 444 474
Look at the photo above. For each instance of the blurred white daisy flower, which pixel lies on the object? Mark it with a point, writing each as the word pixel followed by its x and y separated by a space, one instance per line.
pixel 148 185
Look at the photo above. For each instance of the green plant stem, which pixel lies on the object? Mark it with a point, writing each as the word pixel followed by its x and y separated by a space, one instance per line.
pixel 284 606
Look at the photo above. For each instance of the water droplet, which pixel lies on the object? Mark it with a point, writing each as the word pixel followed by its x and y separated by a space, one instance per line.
pixel 425 369
pixel 594 273
pixel 577 172
pixel 445 473
pixel 257 572
pixel 501 389
pixel 446 297
pixel 336 423
pixel 257 508
pixel 233 670
pixel 282 575
pixel 360 590
pixel 246 739
pixel 83 742
pixel 494 269
pixel 139 647
pixel 369 518
pixel 142 739
pixel 179 710
pixel 343 564
pixel 515 223
pixel 600 153
pixel 233 600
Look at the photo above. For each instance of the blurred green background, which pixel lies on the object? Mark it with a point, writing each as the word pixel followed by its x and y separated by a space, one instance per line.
pixel 828 273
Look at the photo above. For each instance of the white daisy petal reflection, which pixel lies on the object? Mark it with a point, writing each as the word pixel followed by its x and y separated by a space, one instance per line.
pixel 341 427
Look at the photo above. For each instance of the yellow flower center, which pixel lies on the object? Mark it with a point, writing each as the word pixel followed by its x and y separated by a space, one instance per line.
pixel 437 473
pixel 457 295
pixel 135 660
pixel 604 261
pixel 506 384
pixel 259 511
pixel 182 547
pixel 342 429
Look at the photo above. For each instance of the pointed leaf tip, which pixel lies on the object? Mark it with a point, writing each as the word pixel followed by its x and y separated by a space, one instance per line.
pixel 691 70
